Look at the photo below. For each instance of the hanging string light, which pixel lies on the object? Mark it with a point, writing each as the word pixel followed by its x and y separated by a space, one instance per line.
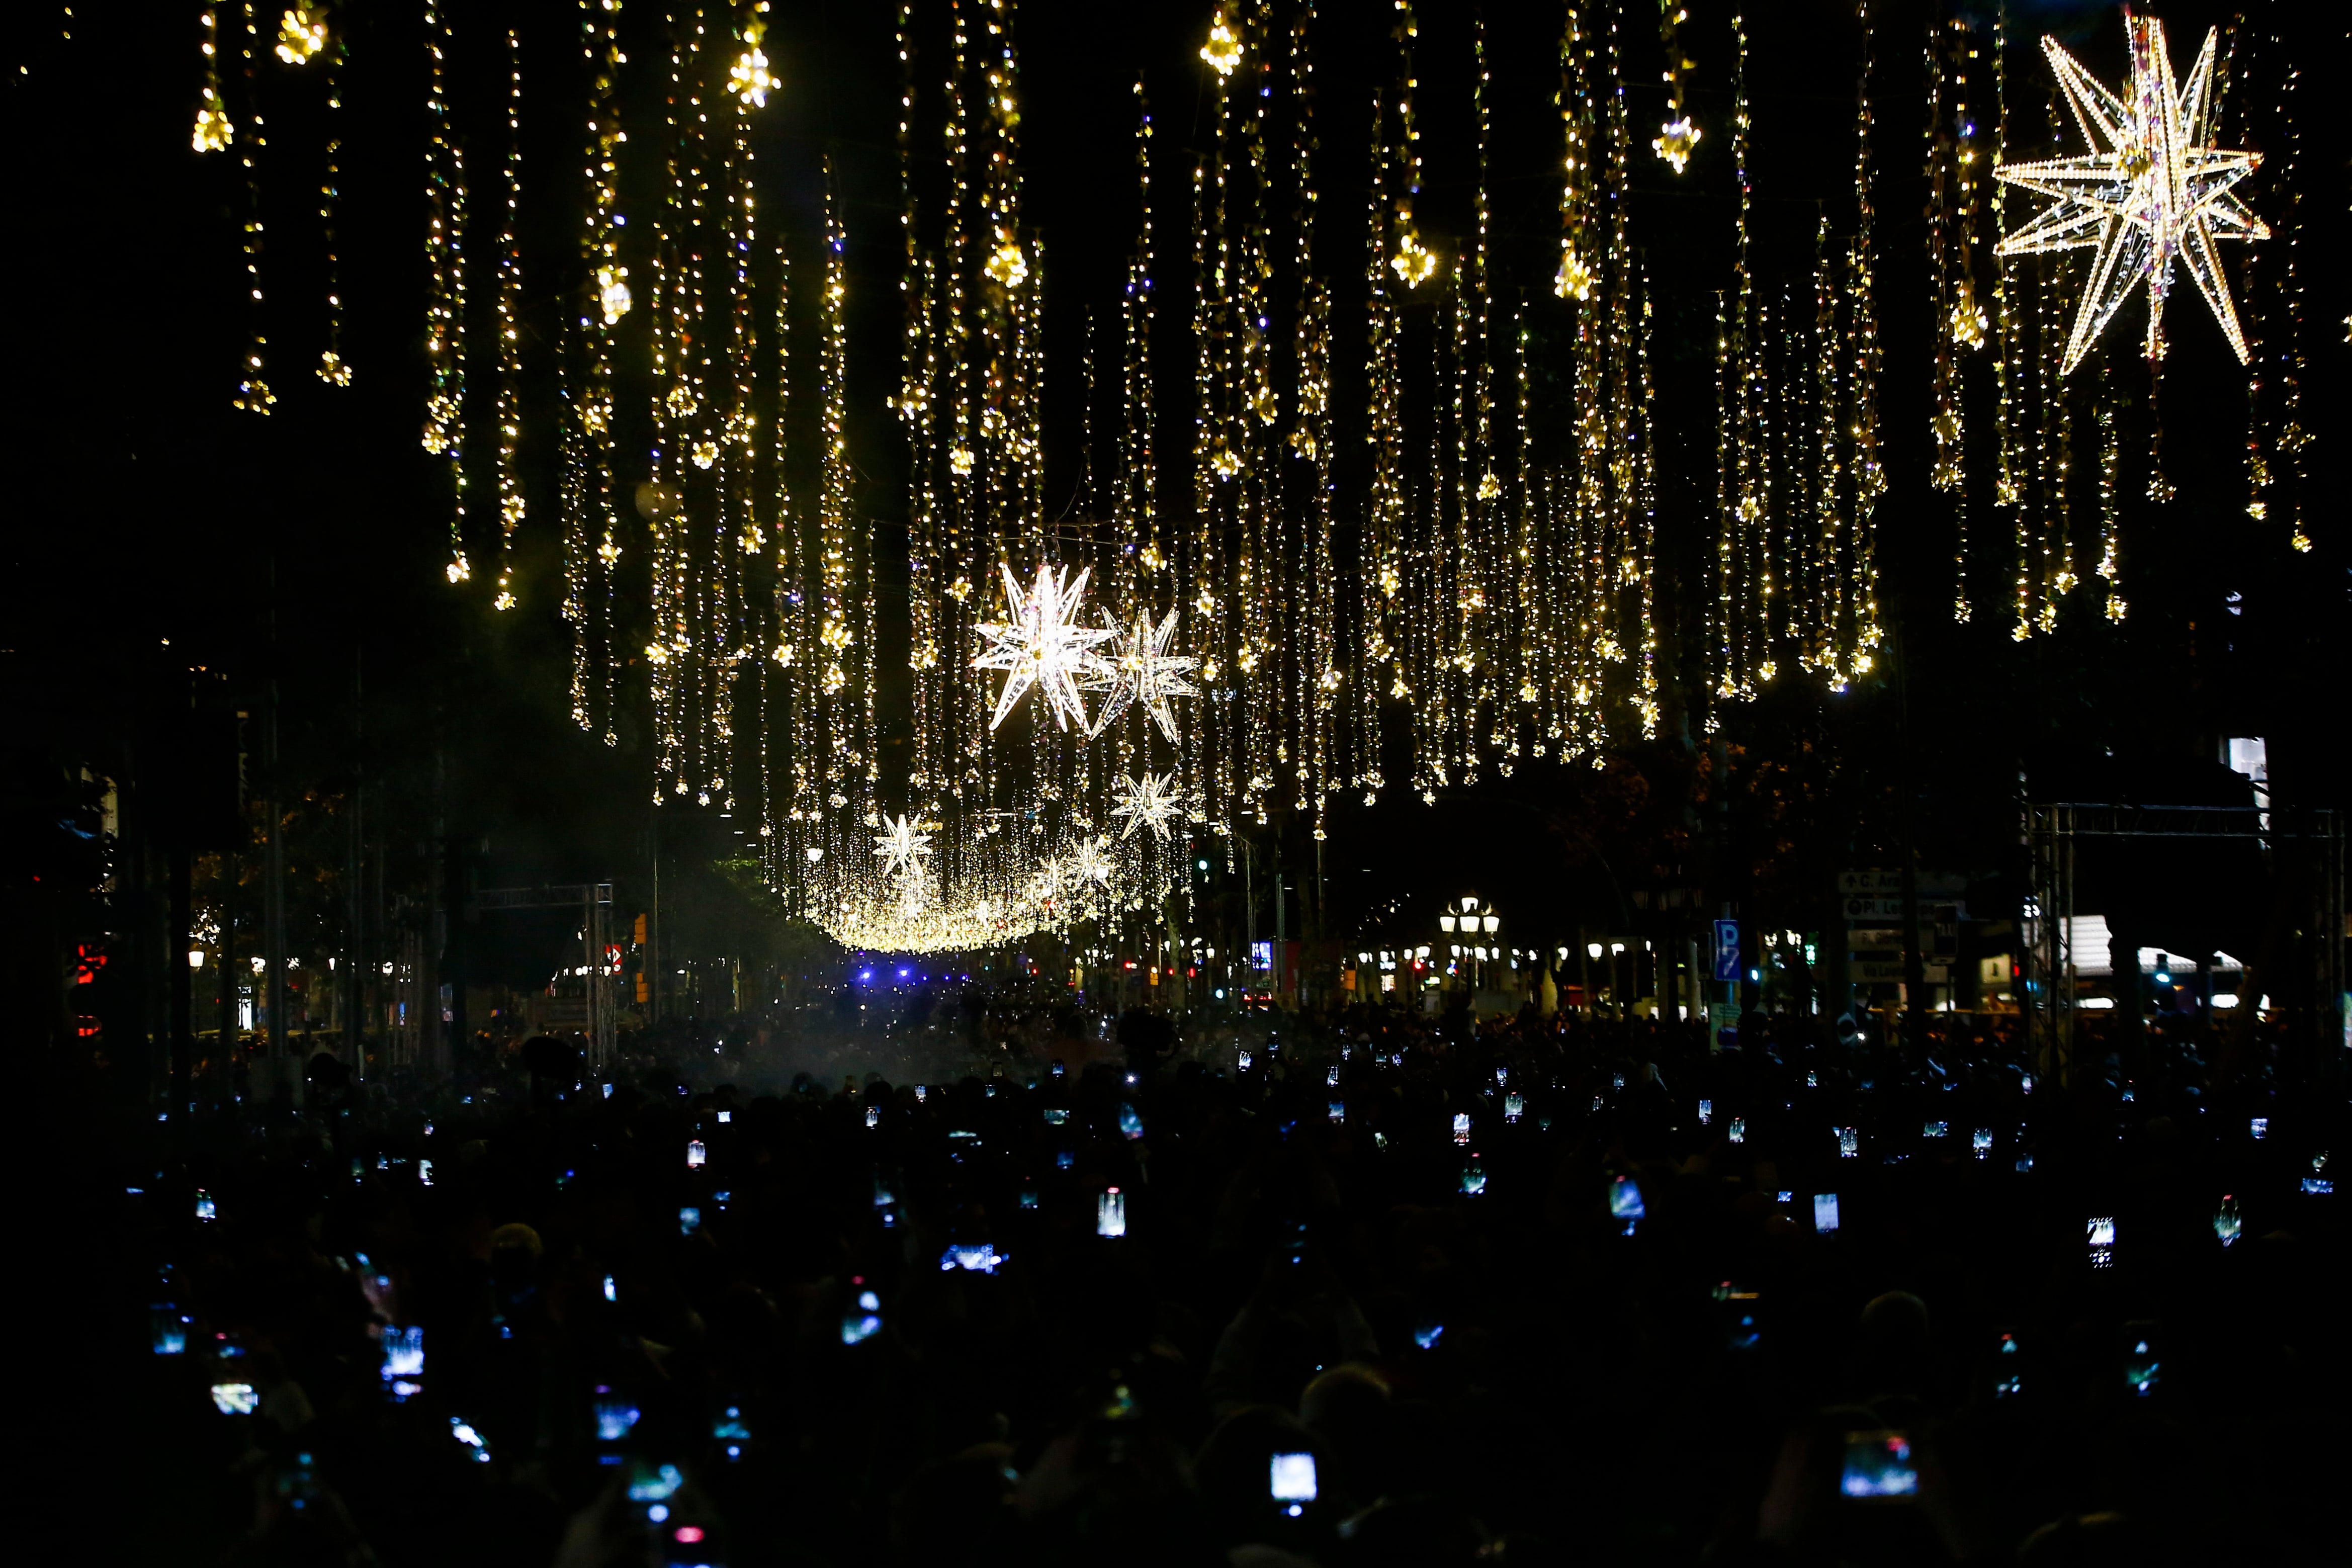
pixel 1574 279
pixel 1858 608
pixel 2292 437
pixel 918 358
pixel 1413 262
pixel 661 498
pixel 333 368
pixel 1745 591
pixel 1263 605
pixel 1216 463
pixel 749 76
pixel 1628 561
pixel 2110 481
pixel 510 341
pixel 2057 431
pixel 843 635
pixel 301 36
pixel 738 540
pixel 1321 674
pixel 2016 482
pixel 253 394
pixel 444 255
pixel 1958 321
pixel 786 707
pixel 591 544
pixel 214 131
pixel 1678 136
pixel 1381 572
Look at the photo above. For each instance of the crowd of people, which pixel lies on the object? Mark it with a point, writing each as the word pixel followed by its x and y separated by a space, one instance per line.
pixel 1371 1289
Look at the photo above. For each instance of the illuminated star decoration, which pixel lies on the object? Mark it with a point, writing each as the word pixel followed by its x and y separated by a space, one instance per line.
pixel 1090 863
pixel 2156 194
pixel 1041 643
pixel 902 846
pixel 1142 671
pixel 1151 800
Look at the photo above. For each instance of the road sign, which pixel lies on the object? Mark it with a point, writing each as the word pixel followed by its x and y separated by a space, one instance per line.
pixel 1885 969
pixel 1889 884
pixel 1727 950
pixel 1869 910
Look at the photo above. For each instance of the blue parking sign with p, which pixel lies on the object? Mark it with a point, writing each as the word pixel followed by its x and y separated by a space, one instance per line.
pixel 1727 950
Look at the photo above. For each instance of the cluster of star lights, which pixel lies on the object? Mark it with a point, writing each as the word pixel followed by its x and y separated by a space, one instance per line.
pixel 1041 643
pixel 2152 195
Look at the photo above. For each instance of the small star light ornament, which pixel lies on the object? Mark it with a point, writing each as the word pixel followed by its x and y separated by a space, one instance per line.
pixel 1142 671
pixel 2156 193
pixel 1091 863
pixel 1148 801
pixel 1039 643
pixel 902 846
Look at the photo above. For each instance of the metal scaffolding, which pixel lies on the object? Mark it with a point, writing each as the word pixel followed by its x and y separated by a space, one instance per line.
pixel 2304 846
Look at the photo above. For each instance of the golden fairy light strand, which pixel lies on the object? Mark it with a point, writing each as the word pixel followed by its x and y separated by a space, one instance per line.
pixel 1749 607
pixel 1315 666
pixel 1201 772
pixel 584 408
pixel 213 130
pixel 1861 609
pixel 445 325
pixel 608 301
pixel 739 540
pixel 1642 544
pixel 2110 479
pixel 845 634
pixel 509 339
pixel 1481 485
pixel 1574 279
pixel 253 394
pixel 2058 573
pixel 1955 315
pixel 1413 262
pixel 672 404
pixel 1380 575
pixel 1140 520
pixel 918 350
pixel 1629 565
pixel 2292 437
pixel 1678 135
pixel 575 514
pixel 2016 484
pixel 333 369
pixel 1818 649
pixel 702 523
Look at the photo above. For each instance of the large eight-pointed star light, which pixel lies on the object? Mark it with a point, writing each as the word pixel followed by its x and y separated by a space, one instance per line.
pixel 1151 799
pixel 1142 671
pixel 1041 643
pixel 902 846
pixel 2155 194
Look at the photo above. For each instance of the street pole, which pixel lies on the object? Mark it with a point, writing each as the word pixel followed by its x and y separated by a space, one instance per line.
pixel 1249 911
pixel 281 1044
pixel 182 986
pixel 354 880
